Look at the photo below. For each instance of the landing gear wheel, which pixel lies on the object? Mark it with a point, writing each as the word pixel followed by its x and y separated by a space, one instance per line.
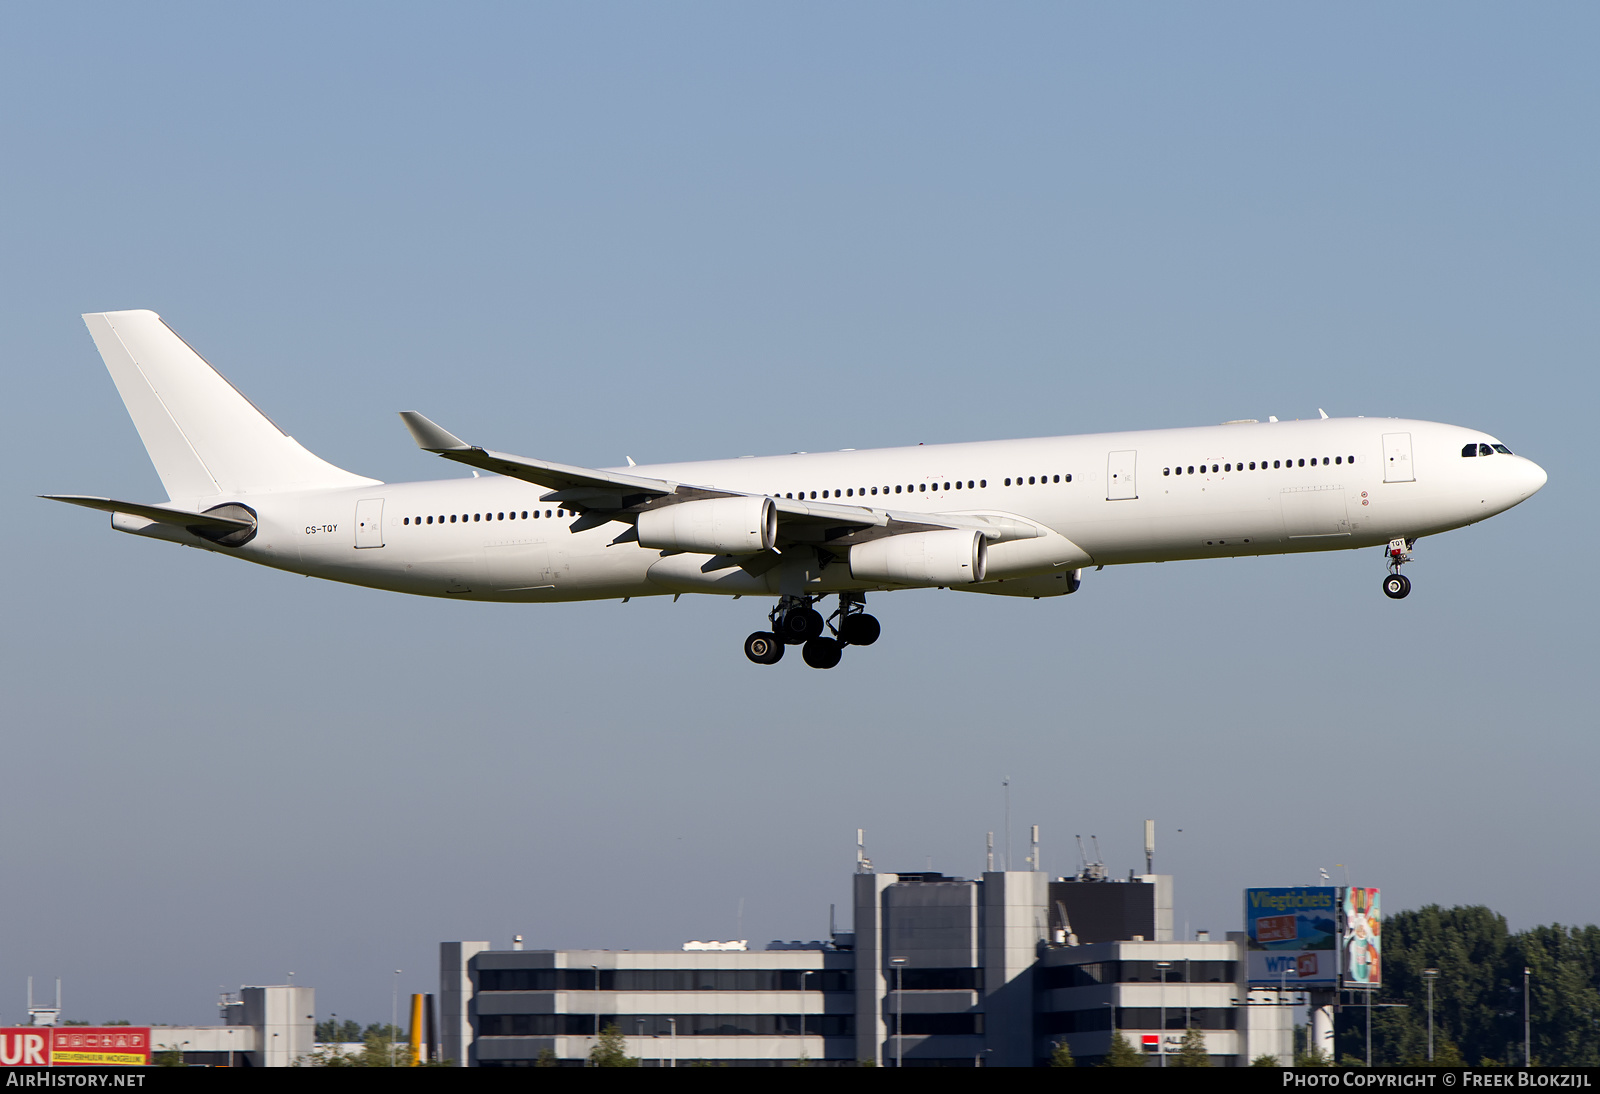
pixel 763 648
pixel 1396 586
pixel 859 630
pixel 799 625
pixel 822 653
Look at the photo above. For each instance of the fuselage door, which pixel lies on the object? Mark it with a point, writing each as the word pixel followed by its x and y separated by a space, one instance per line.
pixel 1397 458
pixel 1120 485
pixel 369 522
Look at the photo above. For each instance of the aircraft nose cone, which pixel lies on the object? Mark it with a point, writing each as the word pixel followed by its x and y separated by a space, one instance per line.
pixel 1534 478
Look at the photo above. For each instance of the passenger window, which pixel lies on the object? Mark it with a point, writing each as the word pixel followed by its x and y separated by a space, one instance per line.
pixel 923 487
pixel 947 486
pixel 1166 471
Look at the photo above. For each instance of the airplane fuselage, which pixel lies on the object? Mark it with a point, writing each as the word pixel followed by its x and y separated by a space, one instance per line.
pixel 1249 488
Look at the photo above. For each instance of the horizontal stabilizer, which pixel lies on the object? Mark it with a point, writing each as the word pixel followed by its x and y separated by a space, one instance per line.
pixel 182 518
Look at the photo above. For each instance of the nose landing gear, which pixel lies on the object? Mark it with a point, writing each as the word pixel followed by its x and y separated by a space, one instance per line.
pixel 796 623
pixel 1397 586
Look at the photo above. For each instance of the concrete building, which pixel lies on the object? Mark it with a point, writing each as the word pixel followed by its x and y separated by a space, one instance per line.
pixel 937 972
pixel 268 1026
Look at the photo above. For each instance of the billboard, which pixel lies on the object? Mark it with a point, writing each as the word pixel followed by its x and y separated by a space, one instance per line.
pixel 95 1046
pixel 1363 939
pixel 1293 937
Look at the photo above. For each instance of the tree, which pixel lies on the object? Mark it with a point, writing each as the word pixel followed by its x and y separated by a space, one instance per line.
pixel 1061 1056
pixel 1192 1053
pixel 1122 1053
pixel 1478 993
pixel 611 1049
pixel 381 1048
pixel 338 1032
pixel 547 1058
pixel 1266 1059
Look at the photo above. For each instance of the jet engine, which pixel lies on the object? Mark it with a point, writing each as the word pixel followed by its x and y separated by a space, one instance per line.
pixel 953 557
pixel 715 526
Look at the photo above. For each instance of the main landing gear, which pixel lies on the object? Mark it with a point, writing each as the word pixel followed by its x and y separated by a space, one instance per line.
pixel 1397 585
pixel 796 623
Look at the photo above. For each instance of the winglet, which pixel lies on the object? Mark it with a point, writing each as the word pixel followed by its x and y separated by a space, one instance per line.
pixel 429 437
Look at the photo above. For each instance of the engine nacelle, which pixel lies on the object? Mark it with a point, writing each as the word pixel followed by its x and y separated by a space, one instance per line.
pixel 1044 554
pixel 713 526
pixel 952 557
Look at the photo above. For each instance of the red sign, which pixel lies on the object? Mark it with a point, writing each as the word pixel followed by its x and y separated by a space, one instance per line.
pixel 1275 928
pixel 65 1046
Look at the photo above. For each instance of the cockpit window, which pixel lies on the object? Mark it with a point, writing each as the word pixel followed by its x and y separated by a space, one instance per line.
pixel 1502 449
pixel 1470 450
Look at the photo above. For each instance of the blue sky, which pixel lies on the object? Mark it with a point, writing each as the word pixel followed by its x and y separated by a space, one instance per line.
pixel 584 232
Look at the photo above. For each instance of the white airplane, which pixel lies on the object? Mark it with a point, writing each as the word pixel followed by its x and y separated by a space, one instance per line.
pixel 1013 518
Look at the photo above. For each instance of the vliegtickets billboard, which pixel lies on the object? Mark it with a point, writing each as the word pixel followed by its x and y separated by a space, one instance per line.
pixel 1363 937
pixel 1293 937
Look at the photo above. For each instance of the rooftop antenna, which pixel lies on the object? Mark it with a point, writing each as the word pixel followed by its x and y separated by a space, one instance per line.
pixel 1006 784
pixel 1033 852
pixel 1064 933
pixel 42 1015
pixel 1091 869
pixel 989 867
pixel 1149 846
pixel 863 863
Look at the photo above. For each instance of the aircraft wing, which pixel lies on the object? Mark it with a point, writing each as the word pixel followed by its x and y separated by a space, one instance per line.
pixel 568 483
pixel 604 496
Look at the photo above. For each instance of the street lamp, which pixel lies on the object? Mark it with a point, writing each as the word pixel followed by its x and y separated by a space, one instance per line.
pixel 1429 976
pixel 394 1014
pixel 1527 1026
pixel 899 965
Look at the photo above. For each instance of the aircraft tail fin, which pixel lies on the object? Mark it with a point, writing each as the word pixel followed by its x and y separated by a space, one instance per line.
pixel 203 436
